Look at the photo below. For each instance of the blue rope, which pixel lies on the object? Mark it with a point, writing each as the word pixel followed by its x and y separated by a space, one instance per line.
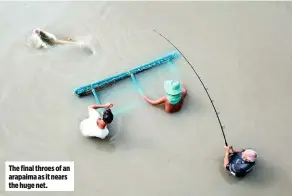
pixel 95 96
pixel 172 66
pixel 136 84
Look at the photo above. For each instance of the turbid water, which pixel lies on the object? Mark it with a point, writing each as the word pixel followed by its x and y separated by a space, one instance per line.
pixel 242 52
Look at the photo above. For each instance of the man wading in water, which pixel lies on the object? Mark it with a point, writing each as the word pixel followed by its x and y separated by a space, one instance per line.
pixel 96 124
pixel 174 99
pixel 239 162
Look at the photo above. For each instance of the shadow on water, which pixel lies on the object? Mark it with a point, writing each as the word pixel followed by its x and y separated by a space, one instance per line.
pixel 192 103
pixel 267 174
pixel 102 144
pixel 263 175
pixel 117 135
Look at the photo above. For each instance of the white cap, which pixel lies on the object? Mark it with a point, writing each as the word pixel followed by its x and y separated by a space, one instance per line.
pixel 251 155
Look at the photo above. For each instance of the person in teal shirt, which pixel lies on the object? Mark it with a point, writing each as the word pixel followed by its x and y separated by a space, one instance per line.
pixel 174 98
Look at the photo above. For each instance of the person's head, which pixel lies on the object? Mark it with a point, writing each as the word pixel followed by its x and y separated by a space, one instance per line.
pixel 107 116
pixel 172 87
pixel 249 155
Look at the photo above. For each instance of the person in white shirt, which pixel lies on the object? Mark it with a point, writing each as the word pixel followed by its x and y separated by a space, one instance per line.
pixel 96 124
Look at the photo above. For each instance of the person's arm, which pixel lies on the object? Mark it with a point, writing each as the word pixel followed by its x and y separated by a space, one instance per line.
pixel 228 150
pixel 96 106
pixel 184 91
pixel 226 159
pixel 154 102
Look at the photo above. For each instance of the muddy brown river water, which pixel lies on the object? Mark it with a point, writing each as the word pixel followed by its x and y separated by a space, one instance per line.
pixel 242 51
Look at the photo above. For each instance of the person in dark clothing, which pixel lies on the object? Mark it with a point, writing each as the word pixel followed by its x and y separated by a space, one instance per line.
pixel 239 162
